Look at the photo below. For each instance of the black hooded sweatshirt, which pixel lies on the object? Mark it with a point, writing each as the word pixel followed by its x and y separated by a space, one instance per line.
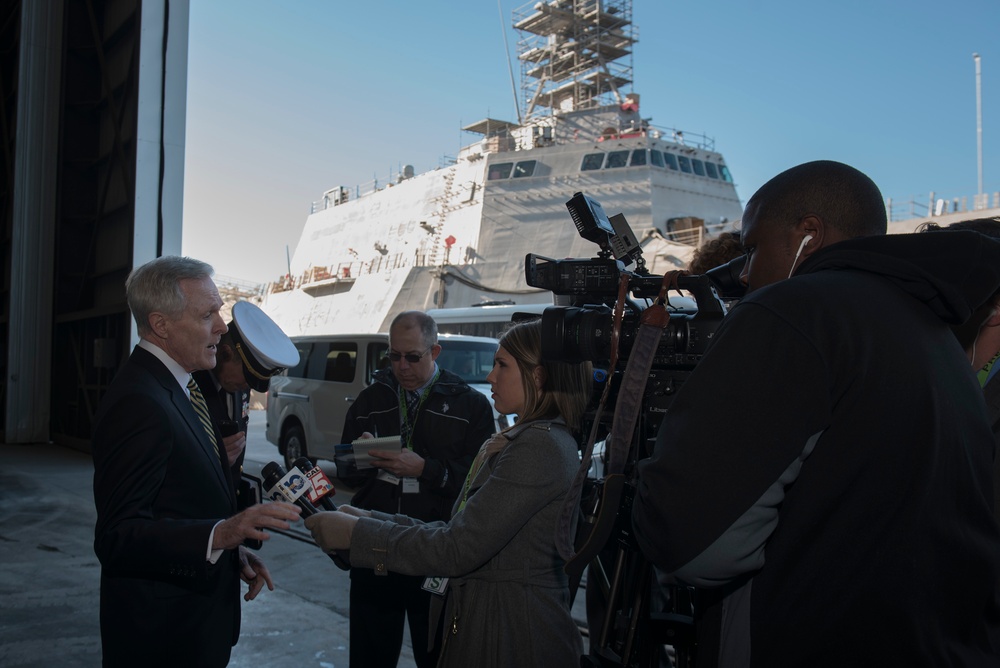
pixel 827 466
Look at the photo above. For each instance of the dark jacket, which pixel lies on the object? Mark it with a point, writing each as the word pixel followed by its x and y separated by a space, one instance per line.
pixel 159 489
pixel 453 423
pixel 828 464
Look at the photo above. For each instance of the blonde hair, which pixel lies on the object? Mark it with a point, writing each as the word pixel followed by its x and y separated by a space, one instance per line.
pixel 566 389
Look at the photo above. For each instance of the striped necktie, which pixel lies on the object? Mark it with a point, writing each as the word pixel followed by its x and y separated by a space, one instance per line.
pixel 201 409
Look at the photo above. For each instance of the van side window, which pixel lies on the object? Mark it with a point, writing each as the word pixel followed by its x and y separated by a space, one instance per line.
pixel 316 369
pixel 341 361
pixel 299 370
pixel 378 359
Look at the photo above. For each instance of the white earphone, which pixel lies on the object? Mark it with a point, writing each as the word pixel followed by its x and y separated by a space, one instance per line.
pixel 806 239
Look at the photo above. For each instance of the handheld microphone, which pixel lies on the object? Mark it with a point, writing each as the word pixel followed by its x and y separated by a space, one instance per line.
pixel 291 490
pixel 274 482
pixel 304 464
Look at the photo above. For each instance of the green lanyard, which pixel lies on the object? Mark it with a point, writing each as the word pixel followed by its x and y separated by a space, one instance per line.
pixel 404 413
pixel 473 472
pixel 984 373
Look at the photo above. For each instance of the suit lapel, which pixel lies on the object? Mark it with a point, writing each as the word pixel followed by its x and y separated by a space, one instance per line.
pixel 182 404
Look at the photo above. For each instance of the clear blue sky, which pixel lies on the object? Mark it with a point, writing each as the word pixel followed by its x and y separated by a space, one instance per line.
pixel 288 99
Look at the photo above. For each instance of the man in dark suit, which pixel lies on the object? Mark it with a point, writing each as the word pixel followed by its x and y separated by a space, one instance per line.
pixel 171 561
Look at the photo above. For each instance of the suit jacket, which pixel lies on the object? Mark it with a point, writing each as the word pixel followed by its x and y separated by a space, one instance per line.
pixel 160 489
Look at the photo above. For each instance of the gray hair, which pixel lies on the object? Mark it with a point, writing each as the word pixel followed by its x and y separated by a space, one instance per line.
pixel 407 319
pixel 155 286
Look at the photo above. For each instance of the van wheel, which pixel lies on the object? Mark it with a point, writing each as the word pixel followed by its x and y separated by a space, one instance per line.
pixel 293 445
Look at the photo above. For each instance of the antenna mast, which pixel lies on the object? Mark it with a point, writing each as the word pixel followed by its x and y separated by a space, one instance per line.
pixel 979 126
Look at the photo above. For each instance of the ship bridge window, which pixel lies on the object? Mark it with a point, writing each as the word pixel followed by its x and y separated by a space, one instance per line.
pixel 617 159
pixel 656 157
pixel 592 161
pixel 711 169
pixel 501 170
pixel 726 176
pixel 671 160
pixel 699 167
pixel 638 157
pixel 685 163
pixel 524 168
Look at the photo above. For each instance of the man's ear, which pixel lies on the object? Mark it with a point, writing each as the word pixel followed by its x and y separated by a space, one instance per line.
pixel 435 351
pixel 993 319
pixel 812 225
pixel 158 322
pixel 225 352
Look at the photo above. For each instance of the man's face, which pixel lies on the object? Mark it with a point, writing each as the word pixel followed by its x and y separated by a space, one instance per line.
pixel 230 372
pixel 771 247
pixel 410 341
pixel 191 338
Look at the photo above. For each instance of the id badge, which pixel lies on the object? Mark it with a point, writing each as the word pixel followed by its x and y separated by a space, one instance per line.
pixel 388 477
pixel 435 585
pixel 411 486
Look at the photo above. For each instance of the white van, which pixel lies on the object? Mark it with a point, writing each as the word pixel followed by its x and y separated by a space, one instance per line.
pixel 487 320
pixel 307 404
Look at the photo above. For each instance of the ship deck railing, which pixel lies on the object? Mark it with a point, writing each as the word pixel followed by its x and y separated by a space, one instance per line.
pixel 935 206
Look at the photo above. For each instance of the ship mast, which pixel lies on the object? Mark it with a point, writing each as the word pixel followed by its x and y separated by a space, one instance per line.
pixel 575 54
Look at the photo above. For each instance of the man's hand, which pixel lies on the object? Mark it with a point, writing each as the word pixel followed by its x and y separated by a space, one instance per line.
pixel 234 445
pixel 405 464
pixel 331 530
pixel 254 573
pixel 252 522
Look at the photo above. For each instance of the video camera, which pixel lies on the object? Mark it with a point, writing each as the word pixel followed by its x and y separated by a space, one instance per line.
pixel 628 633
pixel 582 331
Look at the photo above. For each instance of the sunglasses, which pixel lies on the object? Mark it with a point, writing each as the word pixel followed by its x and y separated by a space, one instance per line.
pixel 412 358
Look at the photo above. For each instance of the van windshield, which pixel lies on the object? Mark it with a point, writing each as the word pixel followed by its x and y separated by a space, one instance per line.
pixel 471 360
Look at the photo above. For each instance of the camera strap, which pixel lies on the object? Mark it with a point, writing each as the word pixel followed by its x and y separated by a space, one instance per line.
pixel 651 325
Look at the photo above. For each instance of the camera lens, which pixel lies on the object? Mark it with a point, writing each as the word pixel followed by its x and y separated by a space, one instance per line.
pixel 573 334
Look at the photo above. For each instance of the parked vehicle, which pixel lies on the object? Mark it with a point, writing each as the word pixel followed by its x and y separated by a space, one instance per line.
pixel 307 404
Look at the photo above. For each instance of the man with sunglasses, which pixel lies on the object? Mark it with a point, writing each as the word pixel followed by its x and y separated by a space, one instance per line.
pixel 441 422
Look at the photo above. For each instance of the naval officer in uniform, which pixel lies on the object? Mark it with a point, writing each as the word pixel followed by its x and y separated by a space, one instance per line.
pixel 249 354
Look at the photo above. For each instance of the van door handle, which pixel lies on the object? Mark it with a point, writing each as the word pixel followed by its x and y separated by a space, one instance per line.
pixel 349 399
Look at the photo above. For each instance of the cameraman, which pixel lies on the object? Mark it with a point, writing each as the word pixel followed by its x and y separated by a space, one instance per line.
pixel 841 511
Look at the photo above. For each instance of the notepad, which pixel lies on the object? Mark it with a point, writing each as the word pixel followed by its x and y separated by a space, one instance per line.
pixel 362 446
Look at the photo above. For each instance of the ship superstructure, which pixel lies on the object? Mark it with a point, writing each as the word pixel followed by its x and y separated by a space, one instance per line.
pixel 457 235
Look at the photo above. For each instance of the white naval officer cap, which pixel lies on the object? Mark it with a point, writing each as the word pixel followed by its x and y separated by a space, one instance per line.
pixel 265 350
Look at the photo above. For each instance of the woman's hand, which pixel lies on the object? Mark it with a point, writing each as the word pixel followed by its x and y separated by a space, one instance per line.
pixel 332 530
pixel 355 512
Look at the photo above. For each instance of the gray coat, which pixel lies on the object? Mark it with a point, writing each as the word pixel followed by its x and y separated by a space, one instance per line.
pixel 508 596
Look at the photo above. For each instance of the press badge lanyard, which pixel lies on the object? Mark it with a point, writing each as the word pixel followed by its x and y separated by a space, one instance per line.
pixel 404 412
